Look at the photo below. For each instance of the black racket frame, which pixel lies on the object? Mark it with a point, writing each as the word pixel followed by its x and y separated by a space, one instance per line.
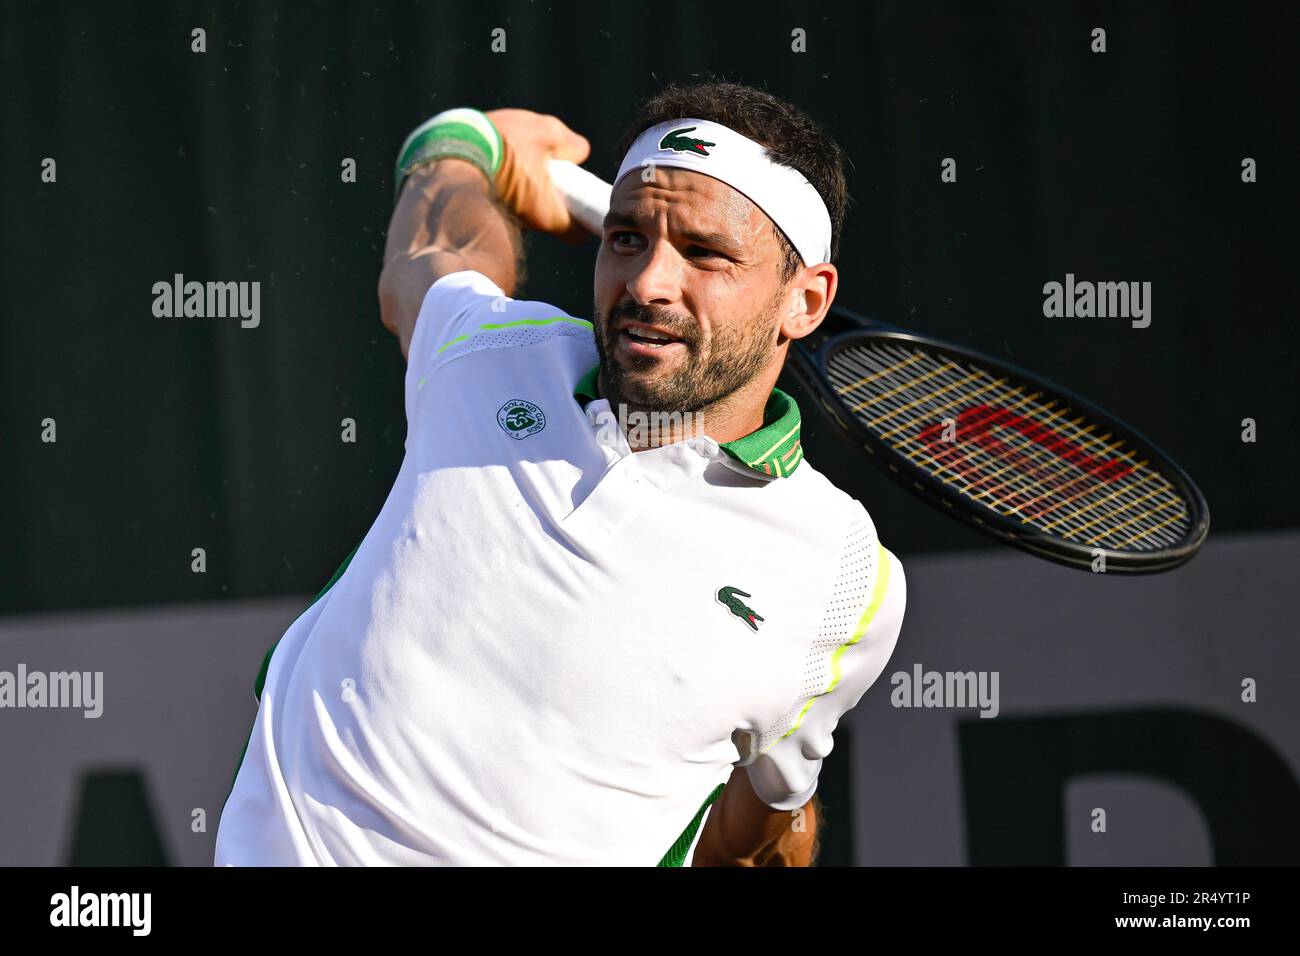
pixel 808 362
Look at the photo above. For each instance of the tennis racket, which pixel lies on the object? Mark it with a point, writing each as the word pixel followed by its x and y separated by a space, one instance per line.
pixel 986 442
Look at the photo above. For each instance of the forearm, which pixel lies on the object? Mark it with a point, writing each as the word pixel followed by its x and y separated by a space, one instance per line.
pixel 446 220
pixel 743 831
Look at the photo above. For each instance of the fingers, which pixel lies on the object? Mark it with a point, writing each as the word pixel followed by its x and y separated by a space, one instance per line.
pixel 542 133
pixel 574 147
pixel 524 182
pixel 569 145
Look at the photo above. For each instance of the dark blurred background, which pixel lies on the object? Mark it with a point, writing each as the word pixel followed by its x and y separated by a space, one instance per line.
pixel 177 433
pixel 225 165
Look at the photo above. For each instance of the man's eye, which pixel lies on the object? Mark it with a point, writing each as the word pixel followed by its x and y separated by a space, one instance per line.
pixel 617 237
pixel 699 251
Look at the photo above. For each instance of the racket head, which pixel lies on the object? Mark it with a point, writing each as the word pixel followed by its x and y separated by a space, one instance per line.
pixel 1013 455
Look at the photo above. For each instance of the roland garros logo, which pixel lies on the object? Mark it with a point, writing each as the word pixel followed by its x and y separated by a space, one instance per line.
pixel 519 419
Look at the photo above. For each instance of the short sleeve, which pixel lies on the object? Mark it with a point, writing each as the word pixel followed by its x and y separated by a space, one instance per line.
pixel 453 306
pixel 854 643
pixel 466 311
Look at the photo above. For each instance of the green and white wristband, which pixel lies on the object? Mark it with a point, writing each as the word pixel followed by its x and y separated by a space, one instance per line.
pixel 462 133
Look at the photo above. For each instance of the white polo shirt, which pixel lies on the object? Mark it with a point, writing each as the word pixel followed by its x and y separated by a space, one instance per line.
pixel 551 650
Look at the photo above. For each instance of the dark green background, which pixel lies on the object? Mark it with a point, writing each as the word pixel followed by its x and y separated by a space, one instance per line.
pixel 183 433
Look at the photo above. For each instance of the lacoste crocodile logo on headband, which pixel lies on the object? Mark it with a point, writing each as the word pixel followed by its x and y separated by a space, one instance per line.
pixel 679 142
pixel 730 598
pixel 782 192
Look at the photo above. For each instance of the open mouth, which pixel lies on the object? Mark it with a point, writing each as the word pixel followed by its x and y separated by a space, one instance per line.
pixel 643 338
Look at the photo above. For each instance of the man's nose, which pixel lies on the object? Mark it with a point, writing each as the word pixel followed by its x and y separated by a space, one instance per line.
pixel 657 279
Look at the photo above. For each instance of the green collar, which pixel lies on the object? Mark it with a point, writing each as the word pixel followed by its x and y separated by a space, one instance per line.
pixel 773 450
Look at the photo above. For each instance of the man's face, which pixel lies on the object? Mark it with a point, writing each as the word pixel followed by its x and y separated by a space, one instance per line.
pixel 688 257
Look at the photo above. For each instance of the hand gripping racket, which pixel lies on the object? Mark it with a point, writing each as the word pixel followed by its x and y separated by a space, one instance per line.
pixel 987 443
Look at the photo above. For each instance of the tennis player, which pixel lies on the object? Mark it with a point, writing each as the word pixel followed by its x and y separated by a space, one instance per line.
pixel 609 614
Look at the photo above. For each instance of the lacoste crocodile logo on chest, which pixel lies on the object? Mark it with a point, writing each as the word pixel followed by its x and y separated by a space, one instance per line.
pixel 730 598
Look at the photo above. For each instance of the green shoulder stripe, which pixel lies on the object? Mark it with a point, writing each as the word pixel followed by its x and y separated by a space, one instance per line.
pixel 498 326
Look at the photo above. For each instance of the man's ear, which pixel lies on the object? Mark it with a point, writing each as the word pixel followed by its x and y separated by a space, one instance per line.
pixel 808 300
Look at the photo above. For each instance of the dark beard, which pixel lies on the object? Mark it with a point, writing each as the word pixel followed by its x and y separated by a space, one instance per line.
pixel 735 357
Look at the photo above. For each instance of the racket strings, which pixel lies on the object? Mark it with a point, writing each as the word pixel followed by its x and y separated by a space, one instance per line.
pixel 1027 458
pixel 1017 452
pixel 1017 477
pixel 1059 474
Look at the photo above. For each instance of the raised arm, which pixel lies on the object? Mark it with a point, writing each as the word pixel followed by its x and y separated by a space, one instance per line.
pixel 464 212
pixel 447 219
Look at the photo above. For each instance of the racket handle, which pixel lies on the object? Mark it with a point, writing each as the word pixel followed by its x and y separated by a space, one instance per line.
pixel 585 193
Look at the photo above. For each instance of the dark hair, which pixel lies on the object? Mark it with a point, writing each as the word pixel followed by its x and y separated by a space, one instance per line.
pixel 791 137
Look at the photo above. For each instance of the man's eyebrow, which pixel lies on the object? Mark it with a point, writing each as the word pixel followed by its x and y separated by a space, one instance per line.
pixel 613 218
pixel 717 240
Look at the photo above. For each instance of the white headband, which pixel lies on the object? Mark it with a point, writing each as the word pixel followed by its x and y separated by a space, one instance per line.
pixel 783 193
